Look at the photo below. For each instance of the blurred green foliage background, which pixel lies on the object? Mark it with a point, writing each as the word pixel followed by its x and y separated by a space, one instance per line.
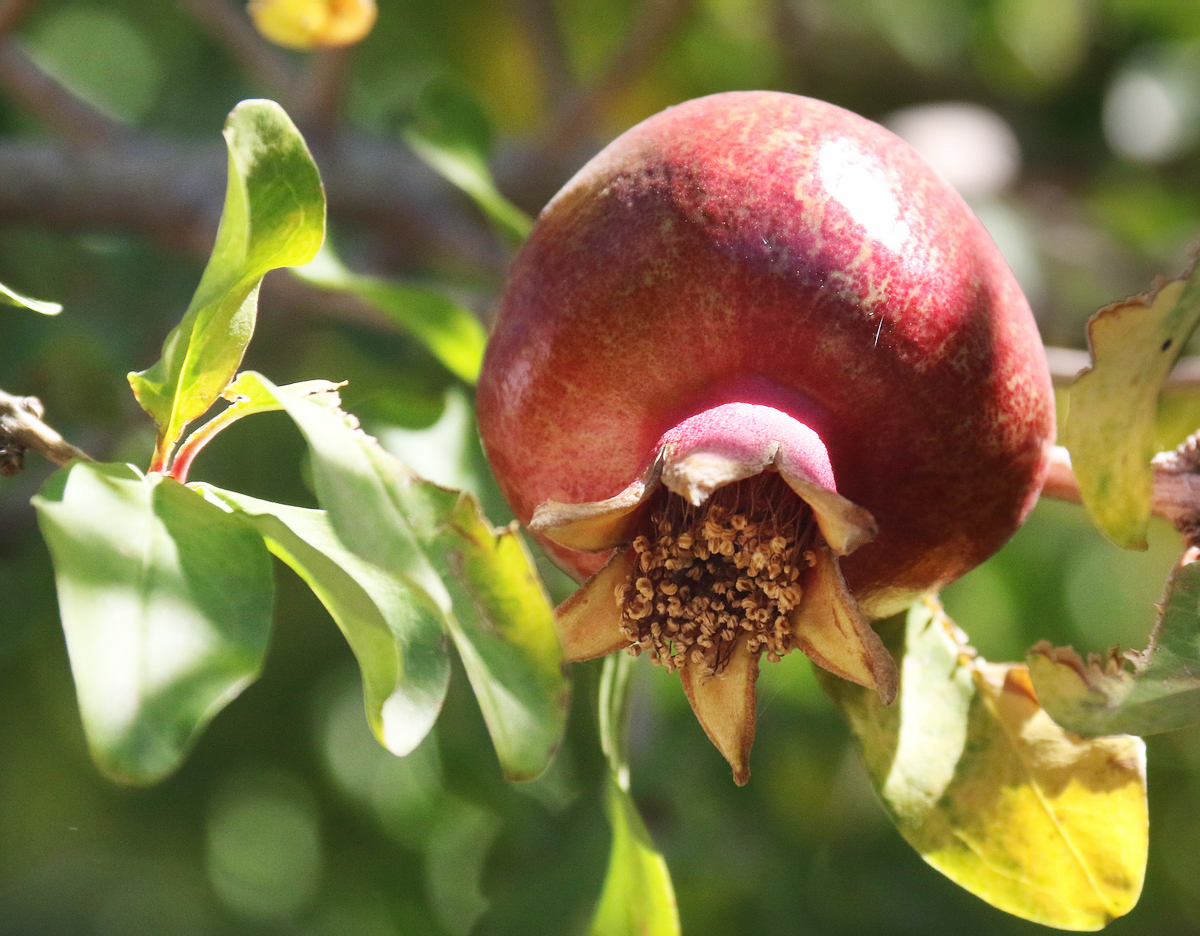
pixel 1073 127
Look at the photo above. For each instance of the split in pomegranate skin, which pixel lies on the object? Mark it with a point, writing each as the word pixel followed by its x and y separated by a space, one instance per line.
pixel 758 375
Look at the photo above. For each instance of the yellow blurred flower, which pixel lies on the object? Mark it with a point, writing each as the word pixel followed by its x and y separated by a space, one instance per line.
pixel 309 24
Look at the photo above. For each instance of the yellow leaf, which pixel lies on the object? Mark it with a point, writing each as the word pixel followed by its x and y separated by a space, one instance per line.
pixel 1110 427
pixel 1047 825
pixel 309 24
pixel 1043 824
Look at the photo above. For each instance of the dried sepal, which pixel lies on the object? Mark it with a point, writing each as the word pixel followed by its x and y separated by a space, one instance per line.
pixel 698 474
pixel 725 706
pixel 834 633
pixel 597 525
pixel 589 622
pixel 844 525
pixel 695 476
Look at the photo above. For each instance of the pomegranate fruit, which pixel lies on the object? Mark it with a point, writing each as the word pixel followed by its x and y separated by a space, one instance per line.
pixel 759 375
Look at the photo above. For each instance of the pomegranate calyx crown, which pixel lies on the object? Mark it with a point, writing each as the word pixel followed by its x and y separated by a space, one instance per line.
pixel 716 447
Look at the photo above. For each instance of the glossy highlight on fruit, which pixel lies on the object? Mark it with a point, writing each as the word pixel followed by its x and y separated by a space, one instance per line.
pixel 758 376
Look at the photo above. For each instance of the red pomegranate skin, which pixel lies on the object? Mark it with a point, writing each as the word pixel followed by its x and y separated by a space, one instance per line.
pixel 761 247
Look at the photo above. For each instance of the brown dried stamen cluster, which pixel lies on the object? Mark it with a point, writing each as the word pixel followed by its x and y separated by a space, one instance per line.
pixel 709 577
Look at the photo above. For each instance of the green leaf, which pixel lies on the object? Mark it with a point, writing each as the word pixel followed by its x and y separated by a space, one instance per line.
pixel 1147 692
pixel 1113 404
pixel 274 216
pixel 501 620
pixel 449 330
pixel 1043 824
pixel 393 628
pixel 450 132
pixel 14 298
pixel 245 399
pixel 637 898
pixel 166 605
pixel 492 602
pixel 248 396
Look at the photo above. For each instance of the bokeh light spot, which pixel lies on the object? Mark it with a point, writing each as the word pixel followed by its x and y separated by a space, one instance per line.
pixel 264 849
pixel 1152 107
pixel 973 147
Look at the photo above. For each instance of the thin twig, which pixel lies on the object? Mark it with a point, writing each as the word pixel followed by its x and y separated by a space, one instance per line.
pixel 1175 495
pixel 656 21
pixel 171 192
pixel 325 90
pixel 540 19
pixel 12 13
pixel 21 429
pixel 1066 363
pixel 1177 488
pixel 1061 483
pixel 51 102
pixel 263 63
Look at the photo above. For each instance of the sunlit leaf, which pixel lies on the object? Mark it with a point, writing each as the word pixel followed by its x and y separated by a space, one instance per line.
pixel 12 297
pixel 166 604
pixel 248 395
pixel 274 216
pixel 500 619
pixel 637 898
pixel 1111 424
pixel 1039 822
pixel 309 24
pixel 393 628
pixel 1147 692
pixel 449 330
pixel 246 398
pixel 493 605
pixel 450 132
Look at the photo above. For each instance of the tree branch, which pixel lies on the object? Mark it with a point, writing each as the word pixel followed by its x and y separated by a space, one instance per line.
pixel 549 48
pixel 324 93
pixel 21 428
pixel 12 13
pixel 1066 363
pixel 531 174
pixel 171 192
pixel 1175 495
pixel 1060 482
pixel 654 24
pixel 262 63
